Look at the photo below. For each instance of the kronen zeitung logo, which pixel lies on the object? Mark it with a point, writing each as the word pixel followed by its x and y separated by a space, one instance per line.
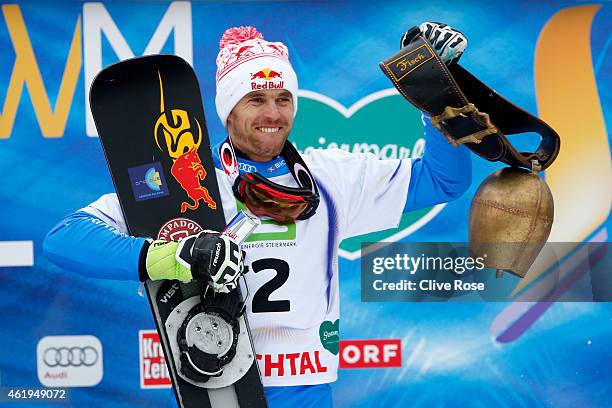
pixel 154 372
pixel 383 124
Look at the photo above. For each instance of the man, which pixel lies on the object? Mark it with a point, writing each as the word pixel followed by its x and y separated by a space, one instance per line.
pixel 322 198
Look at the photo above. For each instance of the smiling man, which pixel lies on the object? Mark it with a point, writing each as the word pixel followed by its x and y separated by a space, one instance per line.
pixel 260 122
pixel 311 204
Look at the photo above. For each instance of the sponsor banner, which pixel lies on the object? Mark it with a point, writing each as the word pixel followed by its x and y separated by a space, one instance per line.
pixel 153 370
pixel 69 361
pixel 380 353
pixel 325 123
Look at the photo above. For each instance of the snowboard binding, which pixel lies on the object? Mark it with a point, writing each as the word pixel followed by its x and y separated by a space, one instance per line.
pixel 208 337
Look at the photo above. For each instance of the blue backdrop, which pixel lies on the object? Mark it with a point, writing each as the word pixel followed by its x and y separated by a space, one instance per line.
pixel 453 354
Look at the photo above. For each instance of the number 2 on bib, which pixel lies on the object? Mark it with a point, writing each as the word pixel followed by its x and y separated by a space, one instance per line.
pixel 261 299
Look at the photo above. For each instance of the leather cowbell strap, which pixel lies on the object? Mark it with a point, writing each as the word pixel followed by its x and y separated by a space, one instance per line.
pixel 465 110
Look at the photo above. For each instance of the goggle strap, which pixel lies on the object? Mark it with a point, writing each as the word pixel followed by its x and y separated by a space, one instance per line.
pixel 292 157
pixel 307 192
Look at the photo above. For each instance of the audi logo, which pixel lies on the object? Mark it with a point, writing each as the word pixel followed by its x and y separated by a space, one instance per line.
pixel 70 356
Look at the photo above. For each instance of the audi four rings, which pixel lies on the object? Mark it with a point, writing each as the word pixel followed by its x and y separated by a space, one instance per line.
pixel 70 356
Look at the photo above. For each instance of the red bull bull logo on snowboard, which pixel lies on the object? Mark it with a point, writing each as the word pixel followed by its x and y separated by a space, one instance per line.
pixel 267 79
pixel 180 136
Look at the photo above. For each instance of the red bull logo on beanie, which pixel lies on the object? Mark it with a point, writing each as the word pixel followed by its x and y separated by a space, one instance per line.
pixel 266 74
pixel 267 85
pixel 271 80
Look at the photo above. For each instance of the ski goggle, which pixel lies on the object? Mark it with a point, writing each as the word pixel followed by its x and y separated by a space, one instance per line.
pixel 266 198
pixel 283 204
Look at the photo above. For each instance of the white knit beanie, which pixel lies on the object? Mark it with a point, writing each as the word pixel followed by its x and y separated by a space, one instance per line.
pixel 246 63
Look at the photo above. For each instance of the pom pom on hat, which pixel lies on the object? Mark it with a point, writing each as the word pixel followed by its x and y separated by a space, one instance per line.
pixel 238 35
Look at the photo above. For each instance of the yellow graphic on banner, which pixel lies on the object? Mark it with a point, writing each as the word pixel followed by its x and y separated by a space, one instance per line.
pixel 26 72
pixel 581 177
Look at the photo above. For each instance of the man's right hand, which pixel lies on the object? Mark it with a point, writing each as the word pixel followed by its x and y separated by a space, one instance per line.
pixel 447 42
pixel 208 256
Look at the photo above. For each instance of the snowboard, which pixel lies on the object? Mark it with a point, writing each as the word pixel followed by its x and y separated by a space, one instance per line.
pixel 150 119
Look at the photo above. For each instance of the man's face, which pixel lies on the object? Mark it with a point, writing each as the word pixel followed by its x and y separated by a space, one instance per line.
pixel 260 123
